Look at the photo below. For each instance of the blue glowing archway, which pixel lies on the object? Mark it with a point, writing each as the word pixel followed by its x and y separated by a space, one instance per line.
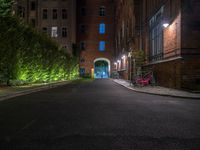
pixel 101 68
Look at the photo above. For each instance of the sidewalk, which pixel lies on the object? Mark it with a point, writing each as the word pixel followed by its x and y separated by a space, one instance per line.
pixel 157 90
pixel 9 92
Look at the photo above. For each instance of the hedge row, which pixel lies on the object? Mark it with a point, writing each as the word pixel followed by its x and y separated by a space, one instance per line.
pixel 29 56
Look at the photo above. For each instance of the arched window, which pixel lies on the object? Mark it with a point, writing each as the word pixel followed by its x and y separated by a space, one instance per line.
pixel 102 28
pixel 102 11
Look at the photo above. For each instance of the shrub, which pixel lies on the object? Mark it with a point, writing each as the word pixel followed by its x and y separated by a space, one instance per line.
pixel 29 56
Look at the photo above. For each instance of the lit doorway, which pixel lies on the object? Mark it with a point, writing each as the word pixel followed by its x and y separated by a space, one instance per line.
pixel 101 68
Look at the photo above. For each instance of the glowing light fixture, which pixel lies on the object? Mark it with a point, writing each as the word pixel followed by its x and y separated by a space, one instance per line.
pixel 118 61
pixel 123 57
pixel 129 54
pixel 165 25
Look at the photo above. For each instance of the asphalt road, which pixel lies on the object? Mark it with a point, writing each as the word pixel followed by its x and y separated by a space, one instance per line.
pixel 98 115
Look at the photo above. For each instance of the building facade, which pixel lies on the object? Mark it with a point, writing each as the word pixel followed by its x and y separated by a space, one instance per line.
pixel 95 34
pixel 57 18
pixel 127 32
pixel 112 34
pixel 167 32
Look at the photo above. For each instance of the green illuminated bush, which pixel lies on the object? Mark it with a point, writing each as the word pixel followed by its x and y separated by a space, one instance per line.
pixel 28 56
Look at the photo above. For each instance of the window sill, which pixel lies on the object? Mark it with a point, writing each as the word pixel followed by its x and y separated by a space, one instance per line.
pixel 162 61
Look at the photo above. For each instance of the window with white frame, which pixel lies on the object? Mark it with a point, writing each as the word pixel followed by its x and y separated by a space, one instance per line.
pixel 54 32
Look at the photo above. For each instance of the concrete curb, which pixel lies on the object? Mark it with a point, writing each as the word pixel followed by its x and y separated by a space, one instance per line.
pixel 160 94
pixel 35 89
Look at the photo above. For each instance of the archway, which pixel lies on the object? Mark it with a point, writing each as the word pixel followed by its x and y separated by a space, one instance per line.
pixel 101 68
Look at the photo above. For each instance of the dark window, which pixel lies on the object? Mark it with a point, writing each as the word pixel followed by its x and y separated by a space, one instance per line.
pixel 102 11
pixel 64 13
pixel 21 12
pixel 55 14
pixel 44 14
pixel 64 47
pixel 83 2
pixel 44 29
pixel 82 60
pixel 83 11
pixel 64 32
pixel 33 5
pixel 82 28
pixel 82 71
pixel 33 22
pixel 82 45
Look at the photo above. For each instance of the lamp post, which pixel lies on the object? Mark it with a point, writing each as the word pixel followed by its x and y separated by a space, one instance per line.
pixel 130 68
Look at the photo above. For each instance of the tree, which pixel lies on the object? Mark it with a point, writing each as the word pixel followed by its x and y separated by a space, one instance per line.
pixel 5 7
pixel 139 60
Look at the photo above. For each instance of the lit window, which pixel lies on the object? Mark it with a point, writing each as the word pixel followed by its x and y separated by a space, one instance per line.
pixel 54 32
pixel 82 71
pixel 102 28
pixel 102 45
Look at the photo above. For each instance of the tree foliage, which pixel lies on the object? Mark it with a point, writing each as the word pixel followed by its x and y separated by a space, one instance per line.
pixel 5 7
pixel 29 56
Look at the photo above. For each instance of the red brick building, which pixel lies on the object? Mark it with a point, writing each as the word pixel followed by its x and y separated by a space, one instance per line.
pixel 168 33
pixel 126 32
pixel 95 34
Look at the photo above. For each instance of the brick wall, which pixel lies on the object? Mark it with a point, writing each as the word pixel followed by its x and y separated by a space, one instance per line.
pixel 91 37
pixel 191 74
pixel 167 74
pixel 190 45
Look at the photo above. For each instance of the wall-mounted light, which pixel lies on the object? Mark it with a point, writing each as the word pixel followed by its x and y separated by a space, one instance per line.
pixel 118 61
pixel 123 57
pixel 129 54
pixel 165 25
pixel 115 63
